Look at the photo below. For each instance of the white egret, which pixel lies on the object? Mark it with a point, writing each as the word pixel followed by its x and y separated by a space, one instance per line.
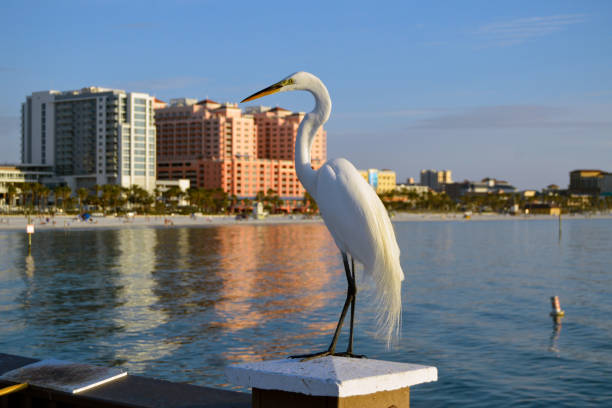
pixel 353 213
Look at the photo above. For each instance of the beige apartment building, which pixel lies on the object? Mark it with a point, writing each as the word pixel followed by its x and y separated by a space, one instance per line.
pixel 382 181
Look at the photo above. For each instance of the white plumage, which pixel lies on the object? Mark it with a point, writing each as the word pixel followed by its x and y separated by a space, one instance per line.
pixel 353 213
pixel 360 226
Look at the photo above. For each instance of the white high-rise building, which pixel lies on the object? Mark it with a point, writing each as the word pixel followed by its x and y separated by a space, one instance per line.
pixel 91 136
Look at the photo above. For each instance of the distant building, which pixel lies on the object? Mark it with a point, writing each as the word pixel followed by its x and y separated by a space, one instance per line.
pixel 182 184
pixel 587 181
pixel 495 186
pixel 485 186
pixel 159 104
pixel 216 145
pixel 165 185
pixel 382 181
pixel 551 189
pixel 91 136
pixel 529 193
pixel 21 173
pixel 542 208
pixel 435 179
pixel 605 185
pixel 407 188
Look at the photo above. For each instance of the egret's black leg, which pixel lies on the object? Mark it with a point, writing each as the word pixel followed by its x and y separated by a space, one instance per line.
pixel 353 291
pixel 349 349
pixel 350 299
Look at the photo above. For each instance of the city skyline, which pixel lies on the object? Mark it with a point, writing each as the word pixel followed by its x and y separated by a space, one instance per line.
pixel 519 92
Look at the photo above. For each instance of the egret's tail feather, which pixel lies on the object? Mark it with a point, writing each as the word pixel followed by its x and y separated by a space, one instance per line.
pixel 388 276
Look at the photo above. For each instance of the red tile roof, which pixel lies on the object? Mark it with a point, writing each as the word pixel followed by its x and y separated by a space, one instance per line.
pixel 205 101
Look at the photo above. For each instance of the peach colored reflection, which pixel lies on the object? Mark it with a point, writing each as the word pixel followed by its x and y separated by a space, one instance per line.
pixel 273 272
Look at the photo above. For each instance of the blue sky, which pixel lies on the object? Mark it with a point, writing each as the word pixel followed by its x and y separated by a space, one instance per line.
pixel 520 91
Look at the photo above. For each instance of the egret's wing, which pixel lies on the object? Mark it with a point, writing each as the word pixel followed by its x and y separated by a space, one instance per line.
pixel 347 203
pixel 360 225
pixel 353 213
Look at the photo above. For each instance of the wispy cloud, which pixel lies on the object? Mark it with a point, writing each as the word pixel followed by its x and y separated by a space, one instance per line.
pixel 505 33
pixel 603 92
pixel 161 84
pixel 403 113
pixel 515 116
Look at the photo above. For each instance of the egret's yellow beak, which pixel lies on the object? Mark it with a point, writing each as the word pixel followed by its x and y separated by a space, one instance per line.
pixel 272 89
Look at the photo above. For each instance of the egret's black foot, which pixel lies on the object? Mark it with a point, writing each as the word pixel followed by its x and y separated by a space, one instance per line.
pixel 349 355
pixel 306 357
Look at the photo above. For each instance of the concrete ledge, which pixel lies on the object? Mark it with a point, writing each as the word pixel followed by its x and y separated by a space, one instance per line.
pixel 330 376
pixel 130 391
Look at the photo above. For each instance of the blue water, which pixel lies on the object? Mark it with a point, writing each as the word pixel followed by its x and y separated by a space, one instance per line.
pixel 182 303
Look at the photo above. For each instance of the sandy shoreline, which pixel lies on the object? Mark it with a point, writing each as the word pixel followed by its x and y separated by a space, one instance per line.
pixel 71 222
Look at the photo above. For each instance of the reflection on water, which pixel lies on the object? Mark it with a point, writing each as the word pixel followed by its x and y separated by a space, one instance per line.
pixel 182 303
pixel 554 337
pixel 29 266
pixel 148 297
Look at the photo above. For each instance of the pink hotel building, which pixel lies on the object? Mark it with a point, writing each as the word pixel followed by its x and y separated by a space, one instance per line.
pixel 218 146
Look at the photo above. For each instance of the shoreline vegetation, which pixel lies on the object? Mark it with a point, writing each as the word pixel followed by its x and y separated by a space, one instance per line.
pixel 68 222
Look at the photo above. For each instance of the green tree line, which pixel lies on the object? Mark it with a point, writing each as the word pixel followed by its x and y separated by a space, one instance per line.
pixel 500 203
pixel 31 198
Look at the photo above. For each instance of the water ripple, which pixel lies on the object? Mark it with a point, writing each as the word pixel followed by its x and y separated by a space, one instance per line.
pixel 183 303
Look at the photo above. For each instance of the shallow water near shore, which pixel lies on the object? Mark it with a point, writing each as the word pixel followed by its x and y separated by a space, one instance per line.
pixel 183 303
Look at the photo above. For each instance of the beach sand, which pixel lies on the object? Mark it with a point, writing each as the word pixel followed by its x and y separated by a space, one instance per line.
pixel 170 221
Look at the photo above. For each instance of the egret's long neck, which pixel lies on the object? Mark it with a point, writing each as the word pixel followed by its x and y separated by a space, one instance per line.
pixel 306 134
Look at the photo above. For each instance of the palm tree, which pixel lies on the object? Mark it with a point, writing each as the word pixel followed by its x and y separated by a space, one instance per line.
pixel 196 197
pixel 29 189
pixel 62 193
pixel 132 191
pixel 11 191
pixel 146 200
pixel 82 194
pixel 141 196
pixel 43 192
pixel 233 202
pixel 111 195
pixel 156 193
pixel 310 203
pixel 105 197
pixel 274 201
pixel 97 189
pixel 220 200
pixel 173 194
pixel 35 189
